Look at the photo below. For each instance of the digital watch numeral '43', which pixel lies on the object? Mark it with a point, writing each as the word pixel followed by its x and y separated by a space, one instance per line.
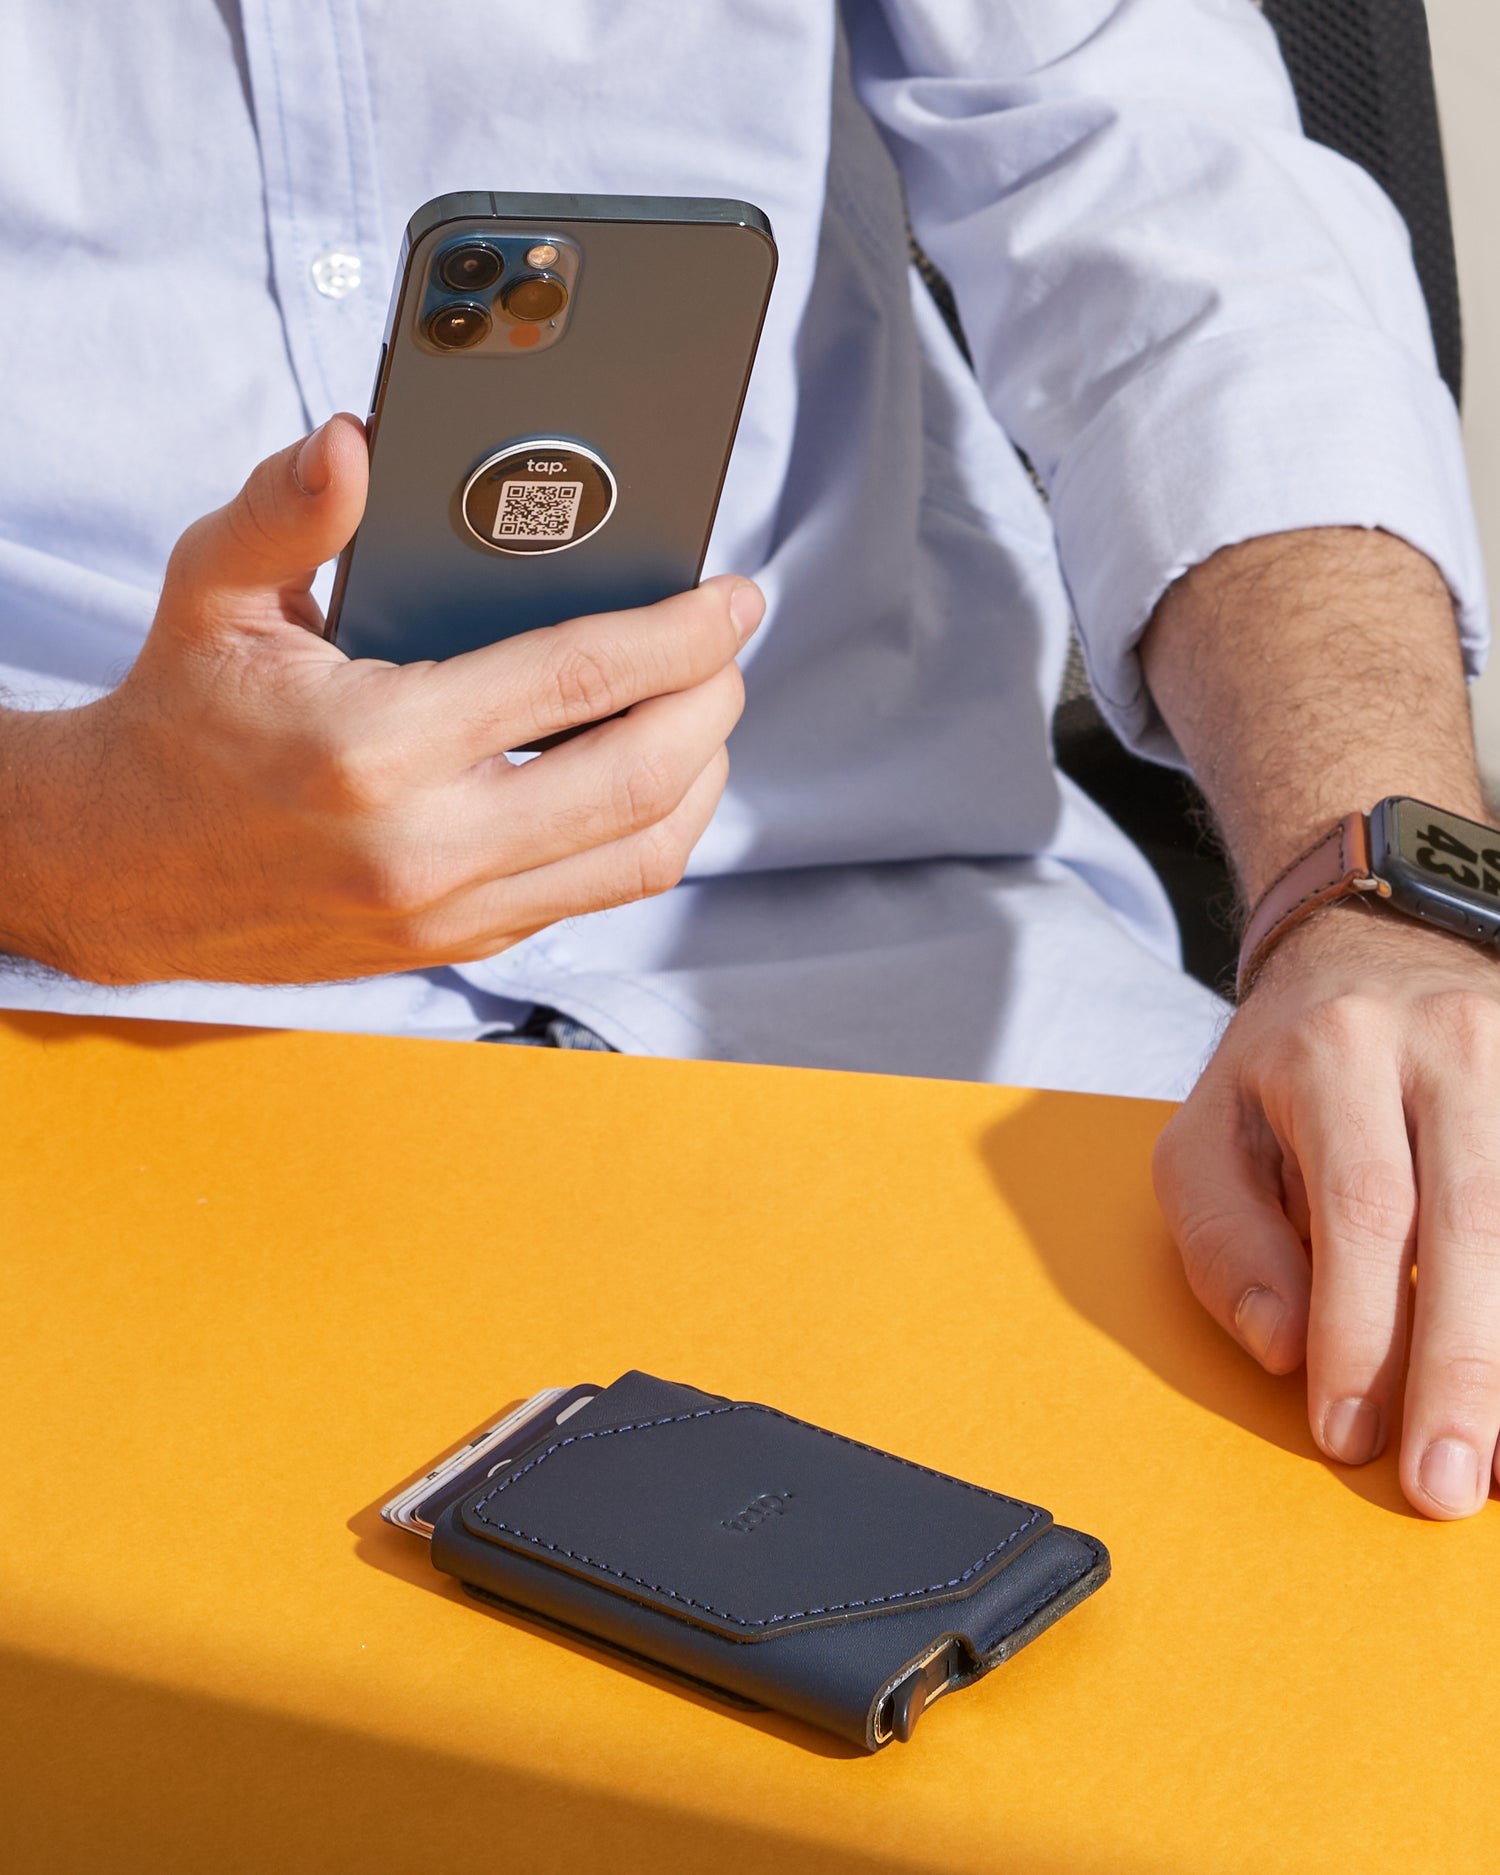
pixel 1477 870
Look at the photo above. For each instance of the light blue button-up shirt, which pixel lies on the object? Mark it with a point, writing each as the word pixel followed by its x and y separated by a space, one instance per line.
pixel 1198 326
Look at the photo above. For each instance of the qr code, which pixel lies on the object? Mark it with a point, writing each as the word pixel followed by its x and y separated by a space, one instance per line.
pixel 537 510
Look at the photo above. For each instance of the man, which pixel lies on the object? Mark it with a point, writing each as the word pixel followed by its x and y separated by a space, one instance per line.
pixel 1203 331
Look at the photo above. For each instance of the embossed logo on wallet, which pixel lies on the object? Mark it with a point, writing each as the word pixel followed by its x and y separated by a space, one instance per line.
pixel 755 1513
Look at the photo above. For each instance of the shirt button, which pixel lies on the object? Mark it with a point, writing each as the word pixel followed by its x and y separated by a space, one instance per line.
pixel 335 272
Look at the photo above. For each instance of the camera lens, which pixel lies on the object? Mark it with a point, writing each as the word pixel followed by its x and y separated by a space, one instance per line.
pixel 470 268
pixel 455 326
pixel 535 296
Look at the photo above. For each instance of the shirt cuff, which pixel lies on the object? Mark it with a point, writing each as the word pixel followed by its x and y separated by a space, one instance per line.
pixel 1248 435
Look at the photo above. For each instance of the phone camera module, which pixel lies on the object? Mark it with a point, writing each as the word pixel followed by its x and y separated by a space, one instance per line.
pixel 458 325
pixel 470 267
pixel 535 297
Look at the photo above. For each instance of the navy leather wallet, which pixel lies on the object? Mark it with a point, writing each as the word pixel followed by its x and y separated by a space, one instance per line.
pixel 764 1559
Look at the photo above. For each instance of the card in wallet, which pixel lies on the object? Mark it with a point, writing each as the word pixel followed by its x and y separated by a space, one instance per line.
pixel 764 1559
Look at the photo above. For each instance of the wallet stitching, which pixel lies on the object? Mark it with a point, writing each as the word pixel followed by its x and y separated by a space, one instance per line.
pixel 689 1601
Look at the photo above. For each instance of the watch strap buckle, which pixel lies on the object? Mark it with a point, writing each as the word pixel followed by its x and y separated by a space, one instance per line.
pixel 1337 866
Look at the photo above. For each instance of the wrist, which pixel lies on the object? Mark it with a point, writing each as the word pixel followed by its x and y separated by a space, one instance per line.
pixel 47 821
pixel 1356 944
pixel 1424 864
pixel 1261 854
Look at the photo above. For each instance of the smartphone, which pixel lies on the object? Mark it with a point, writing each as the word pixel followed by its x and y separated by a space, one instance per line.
pixel 418 1507
pixel 552 415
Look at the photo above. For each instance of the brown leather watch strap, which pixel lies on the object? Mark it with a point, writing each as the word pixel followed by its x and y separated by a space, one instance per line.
pixel 1337 867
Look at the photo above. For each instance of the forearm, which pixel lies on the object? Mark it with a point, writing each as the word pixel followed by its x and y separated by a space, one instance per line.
pixel 1306 674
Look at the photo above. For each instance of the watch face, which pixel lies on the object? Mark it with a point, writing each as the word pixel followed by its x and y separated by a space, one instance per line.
pixel 1440 866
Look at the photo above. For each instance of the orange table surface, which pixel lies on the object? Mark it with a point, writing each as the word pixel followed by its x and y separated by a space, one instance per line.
pixel 251 1281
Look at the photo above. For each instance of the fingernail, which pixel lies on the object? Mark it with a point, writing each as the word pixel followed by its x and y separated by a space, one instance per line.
pixel 1351 1430
pixel 747 607
pixel 1257 1318
pixel 1449 1474
pixel 310 466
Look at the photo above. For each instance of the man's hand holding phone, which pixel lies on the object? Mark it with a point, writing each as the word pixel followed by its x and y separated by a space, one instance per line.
pixel 252 806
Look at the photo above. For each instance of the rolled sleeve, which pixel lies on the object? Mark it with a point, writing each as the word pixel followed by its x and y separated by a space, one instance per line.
pixel 1253 434
pixel 1200 326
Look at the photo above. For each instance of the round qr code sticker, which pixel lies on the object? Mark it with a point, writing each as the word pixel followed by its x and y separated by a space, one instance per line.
pixel 538 497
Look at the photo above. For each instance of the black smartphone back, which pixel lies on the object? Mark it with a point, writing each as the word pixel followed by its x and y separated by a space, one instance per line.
pixel 553 414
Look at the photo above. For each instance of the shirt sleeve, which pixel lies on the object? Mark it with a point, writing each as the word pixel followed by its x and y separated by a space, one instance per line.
pixel 1200 326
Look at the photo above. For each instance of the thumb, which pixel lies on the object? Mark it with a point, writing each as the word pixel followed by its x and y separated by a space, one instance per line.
pixel 253 560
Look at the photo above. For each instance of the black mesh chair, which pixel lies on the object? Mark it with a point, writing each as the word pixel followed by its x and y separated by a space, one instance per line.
pixel 1362 71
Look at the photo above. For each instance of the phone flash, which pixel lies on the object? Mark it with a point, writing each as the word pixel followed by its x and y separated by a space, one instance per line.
pixel 542 255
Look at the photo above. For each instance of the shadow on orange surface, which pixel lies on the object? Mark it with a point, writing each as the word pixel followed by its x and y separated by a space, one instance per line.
pixel 98 1772
pixel 35 1025
pixel 399 1553
pixel 1071 1181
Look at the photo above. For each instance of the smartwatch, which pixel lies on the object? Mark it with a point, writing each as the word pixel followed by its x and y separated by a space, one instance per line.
pixel 1418 859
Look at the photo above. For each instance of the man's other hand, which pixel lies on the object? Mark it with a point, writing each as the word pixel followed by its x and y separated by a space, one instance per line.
pixel 1348 1125
pixel 250 805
